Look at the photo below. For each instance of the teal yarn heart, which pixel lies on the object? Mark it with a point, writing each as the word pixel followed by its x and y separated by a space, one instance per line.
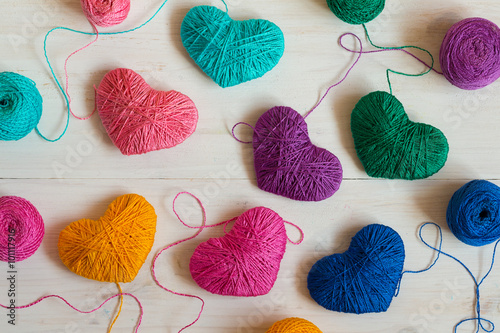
pixel 20 106
pixel 229 51
pixel 364 278
pixel 392 146
pixel 357 11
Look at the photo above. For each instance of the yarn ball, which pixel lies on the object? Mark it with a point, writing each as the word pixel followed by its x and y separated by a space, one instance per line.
pixel 365 277
pixel 246 260
pixel 470 53
pixel 113 248
pixel 392 146
pixel 140 119
pixel 21 227
pixel 356 12
pixel 228 51
pixel 287 163
pixel 473 213
pixel 106 13
pixel 20 106
pixel 293 325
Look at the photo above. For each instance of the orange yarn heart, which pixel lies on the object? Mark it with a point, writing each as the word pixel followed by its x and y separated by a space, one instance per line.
pixel 113 248
pixel 140 119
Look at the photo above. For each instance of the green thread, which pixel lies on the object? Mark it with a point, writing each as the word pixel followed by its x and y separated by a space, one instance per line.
pixel 392 146
pixel 400 48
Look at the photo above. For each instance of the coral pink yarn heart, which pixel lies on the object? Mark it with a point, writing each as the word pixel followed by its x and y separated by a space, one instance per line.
pixel 140 119
pixel 246 261
pixel 287 163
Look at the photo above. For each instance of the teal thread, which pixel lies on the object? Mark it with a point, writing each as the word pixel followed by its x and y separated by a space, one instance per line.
pixel 89 34
pixel 20 106
pixel 230 51
pixel 401 48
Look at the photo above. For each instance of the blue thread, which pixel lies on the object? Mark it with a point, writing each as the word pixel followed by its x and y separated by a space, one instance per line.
pixel 364 278
pixel 478 318
pixel 20 106
pixel 89 34
pixel 473 213
pixel 230 51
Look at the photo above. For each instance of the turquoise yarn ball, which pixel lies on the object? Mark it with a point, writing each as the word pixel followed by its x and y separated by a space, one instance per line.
pixel 20 106
pixel 356 12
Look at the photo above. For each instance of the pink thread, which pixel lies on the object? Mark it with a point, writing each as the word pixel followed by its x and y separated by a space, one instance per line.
pixel 67 76
pixel 21 229
pixel 90 311
pixel 234 235
pixel 106 13
pixel 140 119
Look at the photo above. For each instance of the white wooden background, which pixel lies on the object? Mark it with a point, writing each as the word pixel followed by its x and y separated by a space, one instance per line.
pixel 82 173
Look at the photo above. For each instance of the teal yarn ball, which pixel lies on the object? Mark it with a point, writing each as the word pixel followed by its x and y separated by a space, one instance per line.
pixel 230 51
pixel 392 146
pixel 356 11
pixel 20 106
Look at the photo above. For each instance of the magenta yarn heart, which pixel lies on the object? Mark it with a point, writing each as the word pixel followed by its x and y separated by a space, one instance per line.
pixel 244 262
pixel 287 163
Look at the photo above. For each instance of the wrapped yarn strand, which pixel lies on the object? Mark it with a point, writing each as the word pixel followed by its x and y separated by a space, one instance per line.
pixel 473 213
pixel 356 12
pixel 106 13
pixel 470 53
pixel 20 106
pixel 21 227
pixel 293 325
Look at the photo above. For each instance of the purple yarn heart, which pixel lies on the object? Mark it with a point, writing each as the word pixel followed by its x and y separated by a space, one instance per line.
pixel 287 163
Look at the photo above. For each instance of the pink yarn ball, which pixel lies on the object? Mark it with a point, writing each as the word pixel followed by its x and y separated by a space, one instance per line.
pixel 246 261
pixel 106 13
pixel 21 229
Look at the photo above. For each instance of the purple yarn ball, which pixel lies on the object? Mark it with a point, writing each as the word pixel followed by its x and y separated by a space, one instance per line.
pixel 470 53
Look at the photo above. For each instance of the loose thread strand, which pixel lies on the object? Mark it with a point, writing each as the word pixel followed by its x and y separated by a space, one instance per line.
pixel 89 311
pixel 345 76
pixel 119 310
pixel 401 48
pixel 61 89
pixel 477 284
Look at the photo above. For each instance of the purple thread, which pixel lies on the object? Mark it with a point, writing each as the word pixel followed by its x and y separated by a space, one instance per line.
pixel 287 163
pixel 470 53
pixel 382 50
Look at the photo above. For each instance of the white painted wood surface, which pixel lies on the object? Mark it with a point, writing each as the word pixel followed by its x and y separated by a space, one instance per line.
pixel 81 174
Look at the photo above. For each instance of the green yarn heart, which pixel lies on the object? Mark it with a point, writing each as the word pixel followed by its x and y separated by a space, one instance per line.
pixel 390 145
pixel 229 51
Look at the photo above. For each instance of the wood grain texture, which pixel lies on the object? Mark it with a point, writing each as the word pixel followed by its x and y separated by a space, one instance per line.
pixel 81 174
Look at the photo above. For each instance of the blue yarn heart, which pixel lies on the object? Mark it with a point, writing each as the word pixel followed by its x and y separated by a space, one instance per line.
pixel 231 52
pixel 365 277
